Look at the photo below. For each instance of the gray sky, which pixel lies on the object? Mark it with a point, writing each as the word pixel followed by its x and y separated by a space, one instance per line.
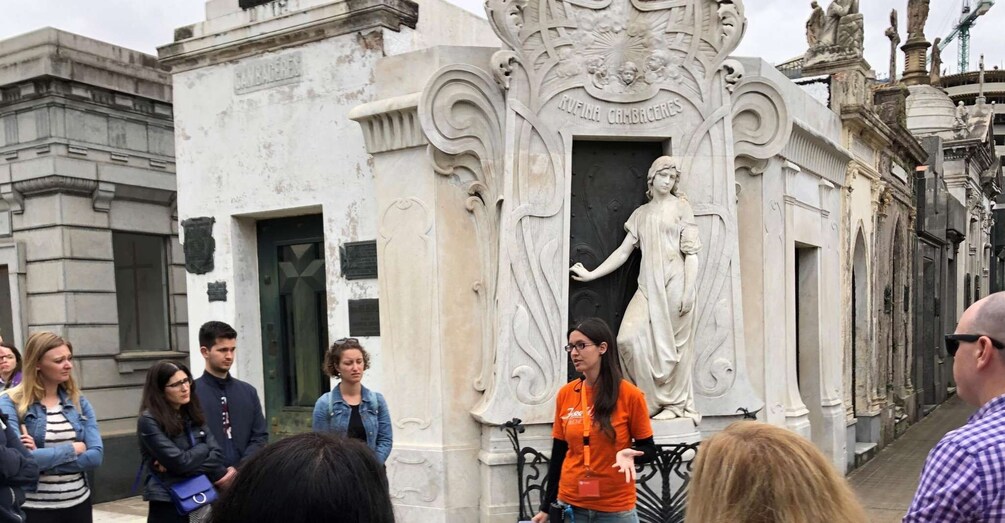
pixel 775 30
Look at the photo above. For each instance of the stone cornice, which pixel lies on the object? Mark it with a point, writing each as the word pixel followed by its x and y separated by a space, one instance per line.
pixel 898 138
pixel 816 153
pixel 390 124
pixel 288 30
pixel 47 92
pixel 53 53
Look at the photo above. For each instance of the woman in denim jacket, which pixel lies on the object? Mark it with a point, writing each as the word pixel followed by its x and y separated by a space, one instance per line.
pixel 58 426
pixel 350 408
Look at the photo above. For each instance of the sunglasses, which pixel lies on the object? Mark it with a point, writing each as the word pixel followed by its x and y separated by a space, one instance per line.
pixel 953 341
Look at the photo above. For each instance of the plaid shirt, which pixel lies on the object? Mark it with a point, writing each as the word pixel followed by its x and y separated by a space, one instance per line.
pixel 964 477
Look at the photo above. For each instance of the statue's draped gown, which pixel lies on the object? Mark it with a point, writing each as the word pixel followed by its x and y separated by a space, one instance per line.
pixel 655 340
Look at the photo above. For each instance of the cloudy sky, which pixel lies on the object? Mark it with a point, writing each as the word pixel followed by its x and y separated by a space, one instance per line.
pixel 775 30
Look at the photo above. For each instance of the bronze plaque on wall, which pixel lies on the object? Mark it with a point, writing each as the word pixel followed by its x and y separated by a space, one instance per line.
pixel 364 318
pixel 358 260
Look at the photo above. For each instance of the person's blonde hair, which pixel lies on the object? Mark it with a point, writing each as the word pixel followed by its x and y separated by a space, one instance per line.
pixel 758 473
pixel 31 389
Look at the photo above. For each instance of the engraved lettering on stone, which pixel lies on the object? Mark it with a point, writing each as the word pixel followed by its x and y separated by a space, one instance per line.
pixel 268 72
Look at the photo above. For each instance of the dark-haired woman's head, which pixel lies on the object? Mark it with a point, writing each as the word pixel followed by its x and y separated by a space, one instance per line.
pixel 168 396
pixel 592 347
pixel 309 478
pixel 10 361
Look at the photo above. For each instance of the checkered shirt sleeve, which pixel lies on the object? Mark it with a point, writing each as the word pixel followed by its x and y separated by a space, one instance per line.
pixel 950 488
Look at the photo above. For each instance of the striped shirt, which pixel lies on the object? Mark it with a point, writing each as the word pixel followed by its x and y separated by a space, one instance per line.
pixel 964 477
pixel 57 491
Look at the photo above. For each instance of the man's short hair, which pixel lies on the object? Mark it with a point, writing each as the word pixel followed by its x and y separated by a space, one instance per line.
pixel 215 330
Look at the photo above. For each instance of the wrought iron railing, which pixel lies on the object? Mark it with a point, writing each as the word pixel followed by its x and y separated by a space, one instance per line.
pixel 661 484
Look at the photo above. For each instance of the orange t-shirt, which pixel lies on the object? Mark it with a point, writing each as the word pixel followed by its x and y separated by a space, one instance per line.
pixel 630 420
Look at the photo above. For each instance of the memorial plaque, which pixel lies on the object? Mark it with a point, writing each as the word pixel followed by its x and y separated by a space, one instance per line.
pixel 217 290
pixel 359 260
pixel 364 318
pixel 199 244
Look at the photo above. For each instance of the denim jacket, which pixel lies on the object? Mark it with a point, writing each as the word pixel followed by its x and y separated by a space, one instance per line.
pixel 331 414
pixel 61 459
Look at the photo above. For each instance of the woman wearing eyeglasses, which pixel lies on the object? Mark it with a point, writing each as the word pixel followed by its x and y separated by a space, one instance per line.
pixel 175 443
pixel 350 408
pixel 58 427
pixel 601 432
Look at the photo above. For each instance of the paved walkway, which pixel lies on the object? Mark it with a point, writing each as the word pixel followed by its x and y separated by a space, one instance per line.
pixel 129 510
pixel 886 484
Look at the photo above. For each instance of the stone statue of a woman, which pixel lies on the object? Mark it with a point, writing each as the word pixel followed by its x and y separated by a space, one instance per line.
pixel 655 339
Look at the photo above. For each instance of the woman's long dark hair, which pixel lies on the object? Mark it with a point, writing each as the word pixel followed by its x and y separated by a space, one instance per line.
pixel 157 404
pixel 605 393
pixel 306 478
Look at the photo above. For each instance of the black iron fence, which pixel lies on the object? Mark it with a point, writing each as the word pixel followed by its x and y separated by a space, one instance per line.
pixel 661 484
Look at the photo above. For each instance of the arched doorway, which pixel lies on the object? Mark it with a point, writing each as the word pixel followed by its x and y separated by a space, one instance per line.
pixel 860 333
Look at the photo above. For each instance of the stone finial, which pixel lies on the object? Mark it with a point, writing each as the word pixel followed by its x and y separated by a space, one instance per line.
pixel 893 33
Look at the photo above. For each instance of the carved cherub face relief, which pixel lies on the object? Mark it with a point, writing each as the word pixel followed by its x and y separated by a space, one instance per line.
pixel 628 73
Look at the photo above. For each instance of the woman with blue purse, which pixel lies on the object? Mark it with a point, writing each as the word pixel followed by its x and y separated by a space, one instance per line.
pixel 183 461
pixel 58 427
pixel 350 408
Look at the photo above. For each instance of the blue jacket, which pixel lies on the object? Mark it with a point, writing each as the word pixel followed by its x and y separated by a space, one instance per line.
pixel 61 459
pixel 331 414
pixel 17 470
pixel 247 423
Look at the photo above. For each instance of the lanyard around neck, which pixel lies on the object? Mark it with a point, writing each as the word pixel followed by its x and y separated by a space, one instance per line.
pixel 587 423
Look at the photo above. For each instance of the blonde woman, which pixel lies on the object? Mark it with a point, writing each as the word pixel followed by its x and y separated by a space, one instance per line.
pixel 58 427
pixel 758 473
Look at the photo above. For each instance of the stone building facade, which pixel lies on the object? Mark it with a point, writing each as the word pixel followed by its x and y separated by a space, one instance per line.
pixel 88 229
pixel 273 172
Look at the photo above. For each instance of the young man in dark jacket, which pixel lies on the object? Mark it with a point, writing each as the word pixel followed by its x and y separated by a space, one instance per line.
pixel 17 469
pixel 233 410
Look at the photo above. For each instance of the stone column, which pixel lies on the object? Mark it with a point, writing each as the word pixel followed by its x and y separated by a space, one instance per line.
pixel 431 291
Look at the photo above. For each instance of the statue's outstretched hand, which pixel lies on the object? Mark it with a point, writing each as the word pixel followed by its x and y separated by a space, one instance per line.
pixel 580 273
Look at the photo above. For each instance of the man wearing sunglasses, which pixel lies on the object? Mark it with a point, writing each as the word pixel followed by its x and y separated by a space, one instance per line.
pixel 964 476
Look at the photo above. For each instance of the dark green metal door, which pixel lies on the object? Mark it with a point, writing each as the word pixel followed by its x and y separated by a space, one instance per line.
pixel 291 269
pixel 608 184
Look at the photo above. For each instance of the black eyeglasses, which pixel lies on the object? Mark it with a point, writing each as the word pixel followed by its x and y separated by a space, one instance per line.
pixel 343 341
pixel 578 346
pixel 178 384
pixel 953 341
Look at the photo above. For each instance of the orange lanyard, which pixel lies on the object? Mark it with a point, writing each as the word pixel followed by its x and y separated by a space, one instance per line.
pixel 587 423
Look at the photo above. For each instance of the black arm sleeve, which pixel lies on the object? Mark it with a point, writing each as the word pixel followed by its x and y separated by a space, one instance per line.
pixel 558 450
pixel 648 448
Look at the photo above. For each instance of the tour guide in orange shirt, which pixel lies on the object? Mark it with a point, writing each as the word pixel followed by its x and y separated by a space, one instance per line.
pixel 593 460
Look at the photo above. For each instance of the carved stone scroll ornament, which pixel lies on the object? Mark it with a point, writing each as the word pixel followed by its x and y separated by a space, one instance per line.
pixel 462 114
pixel 761 120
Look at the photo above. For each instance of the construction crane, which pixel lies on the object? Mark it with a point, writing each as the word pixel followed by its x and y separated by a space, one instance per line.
pixel 967 20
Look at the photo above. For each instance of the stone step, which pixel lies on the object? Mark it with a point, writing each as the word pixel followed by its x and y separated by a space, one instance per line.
pixel 864 452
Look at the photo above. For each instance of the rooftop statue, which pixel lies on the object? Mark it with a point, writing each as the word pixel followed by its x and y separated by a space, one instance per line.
pixel 917 16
